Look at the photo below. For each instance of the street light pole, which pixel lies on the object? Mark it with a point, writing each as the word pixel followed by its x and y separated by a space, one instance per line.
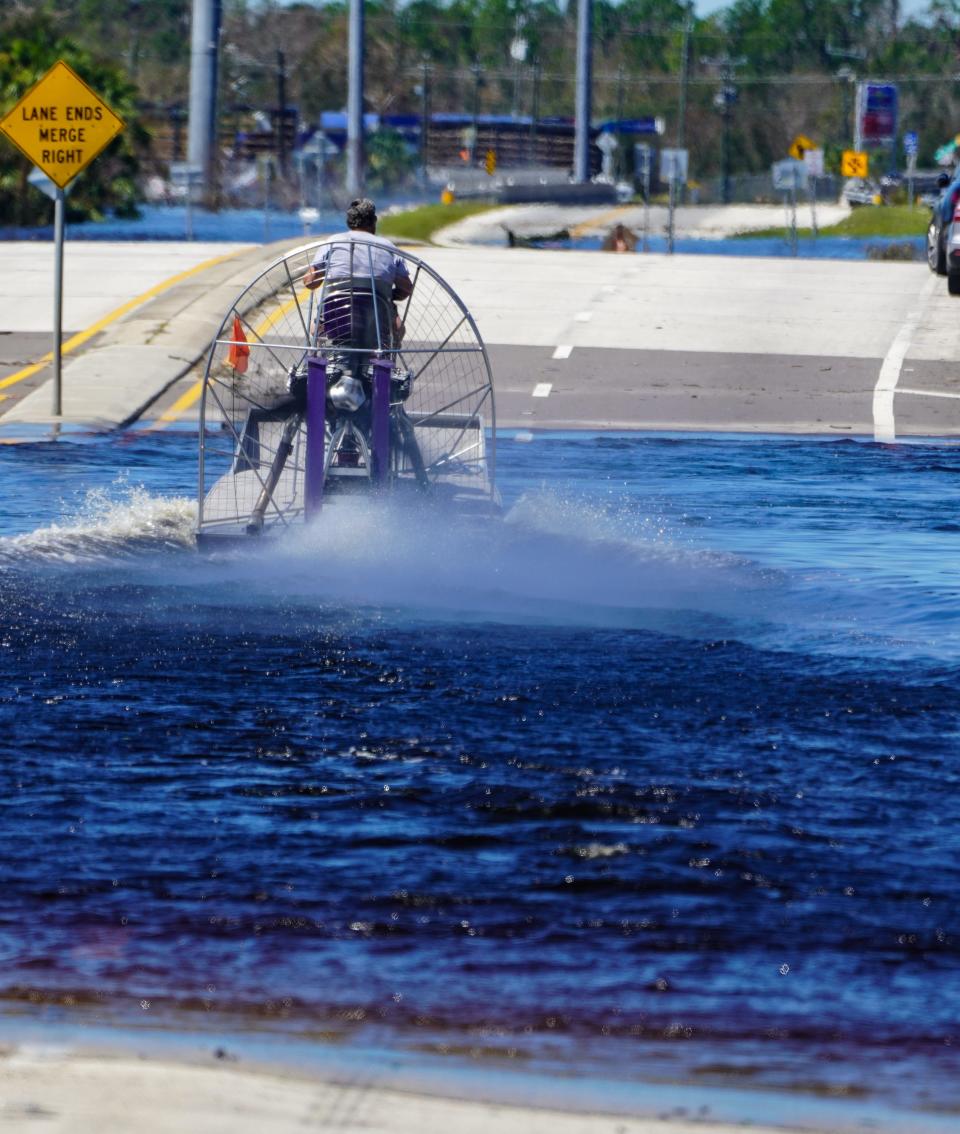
pixel 281 113
pixel 724 100
pixel 204 60
pixel 354 180
pixel 477 71
pixel 425 118
pixel 684 78
pixel 581 141
pixel 534 112
pixel 727 94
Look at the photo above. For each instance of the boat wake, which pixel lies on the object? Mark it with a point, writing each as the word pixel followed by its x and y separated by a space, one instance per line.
pixel 553 559
pixel 549 558
pixel 106 528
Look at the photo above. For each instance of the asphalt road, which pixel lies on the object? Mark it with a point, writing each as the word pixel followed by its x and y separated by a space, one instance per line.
pixel 581 340
pixel 586 340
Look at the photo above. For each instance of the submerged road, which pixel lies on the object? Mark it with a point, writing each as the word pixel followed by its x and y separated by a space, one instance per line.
pixel 576 339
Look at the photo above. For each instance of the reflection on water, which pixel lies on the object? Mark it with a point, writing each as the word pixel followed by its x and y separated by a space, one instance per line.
pixel 659 772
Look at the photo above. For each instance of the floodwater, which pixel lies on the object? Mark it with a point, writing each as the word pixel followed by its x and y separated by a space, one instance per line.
pixel 806 247
pixel 170 222
pixel 657 778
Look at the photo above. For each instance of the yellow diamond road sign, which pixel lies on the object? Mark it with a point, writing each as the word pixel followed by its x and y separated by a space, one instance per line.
pixel 854 163
pixel 61 124
pixel 801 143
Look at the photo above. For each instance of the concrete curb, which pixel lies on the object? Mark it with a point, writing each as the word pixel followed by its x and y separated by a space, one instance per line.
pixel 135 360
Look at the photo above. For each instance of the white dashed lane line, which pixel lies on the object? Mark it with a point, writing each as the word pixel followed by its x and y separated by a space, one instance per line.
pixel 583 316
pixel 563 350
pixel 542 389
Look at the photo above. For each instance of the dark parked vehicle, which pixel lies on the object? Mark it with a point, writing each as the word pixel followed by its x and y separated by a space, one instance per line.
pixel 943 253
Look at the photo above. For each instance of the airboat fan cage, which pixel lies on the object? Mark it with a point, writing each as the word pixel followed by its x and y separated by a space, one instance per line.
pixel 441 388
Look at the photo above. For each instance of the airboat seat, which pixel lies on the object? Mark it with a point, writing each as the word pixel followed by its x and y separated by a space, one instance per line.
pixel 357 314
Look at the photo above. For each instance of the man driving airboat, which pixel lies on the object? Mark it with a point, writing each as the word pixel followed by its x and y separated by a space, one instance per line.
pixel 364 279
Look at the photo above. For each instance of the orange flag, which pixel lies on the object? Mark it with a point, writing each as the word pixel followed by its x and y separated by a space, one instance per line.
pixel 239 351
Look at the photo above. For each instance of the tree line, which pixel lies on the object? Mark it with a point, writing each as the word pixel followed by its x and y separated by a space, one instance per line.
pixel 761 71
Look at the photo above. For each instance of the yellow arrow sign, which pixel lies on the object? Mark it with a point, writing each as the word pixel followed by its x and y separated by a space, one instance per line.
pixel 801 143
pixel 60 124
pixel 854 163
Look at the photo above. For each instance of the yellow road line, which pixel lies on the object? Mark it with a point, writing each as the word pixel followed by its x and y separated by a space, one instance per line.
pixel 189 398
pixel 84 336
pixel 604 218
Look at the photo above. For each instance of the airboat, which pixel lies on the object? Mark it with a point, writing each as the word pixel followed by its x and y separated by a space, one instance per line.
pixel 311 397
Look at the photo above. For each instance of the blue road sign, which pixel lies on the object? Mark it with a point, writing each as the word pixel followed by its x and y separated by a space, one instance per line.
pixel 911 141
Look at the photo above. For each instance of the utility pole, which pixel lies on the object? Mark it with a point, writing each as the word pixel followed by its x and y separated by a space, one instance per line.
pixel 204 59
pixel 281 114
pixel 724 100
pixel 581 141
pixel 354 185
pixel 425 118
pixel 847 76
pixel 534 113
pixel 518 53
pixel 684 78
pixel 477 72
pixel 728 94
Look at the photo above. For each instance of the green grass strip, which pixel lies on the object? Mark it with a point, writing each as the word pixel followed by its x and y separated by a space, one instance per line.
pixel 421 223
pixel 866 220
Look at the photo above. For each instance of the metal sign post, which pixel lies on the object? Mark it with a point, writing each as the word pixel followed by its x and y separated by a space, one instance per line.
pixel 58 211
pixel 673 169
pixel 911 143
pixel 643 164
pixel 190 178
pixel 648 169
pixel 790 175
pixel 813 162
pixel 39 180
pixel 61 125
pixel 670 214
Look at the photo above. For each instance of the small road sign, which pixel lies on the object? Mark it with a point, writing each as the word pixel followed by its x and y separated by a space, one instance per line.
pixel 911 142
pixel 673 165
pixel 39 180
pixel 184 175
pixel 643 160
pixel 813 160
pixel 60 124
pixel 490 162
pixel 854 163
pixel 789 174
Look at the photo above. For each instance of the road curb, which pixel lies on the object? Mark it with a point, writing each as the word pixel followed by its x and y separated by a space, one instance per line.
pixel 134 361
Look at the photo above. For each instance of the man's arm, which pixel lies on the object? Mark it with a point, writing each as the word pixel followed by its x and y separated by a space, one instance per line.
pixel 402 285
pixel 313 277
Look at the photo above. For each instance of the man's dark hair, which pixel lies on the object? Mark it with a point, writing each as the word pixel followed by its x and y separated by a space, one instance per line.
pixel 362 213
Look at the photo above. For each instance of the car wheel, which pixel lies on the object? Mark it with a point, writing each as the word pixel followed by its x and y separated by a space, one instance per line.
pixel 953 283
pixel 936 253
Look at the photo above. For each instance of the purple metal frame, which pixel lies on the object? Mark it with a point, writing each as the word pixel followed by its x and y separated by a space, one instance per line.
pixel 380 429
pixel 316 435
